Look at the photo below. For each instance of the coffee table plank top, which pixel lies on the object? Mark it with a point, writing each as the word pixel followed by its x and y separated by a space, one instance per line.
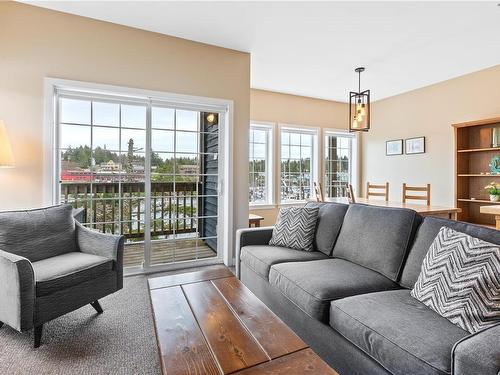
pixel 233 346
pixel 183 349
pixel 303 362
pixel 207 322
pixel 271 333
pixel 210 273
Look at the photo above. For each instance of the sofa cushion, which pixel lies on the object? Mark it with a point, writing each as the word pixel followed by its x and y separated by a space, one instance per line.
pixel 38 234
pixel 260 258
pixel 63 271
pixel 426 233
pixel 330 219
pixel 312 285
pixel 376 237
pixel 398 331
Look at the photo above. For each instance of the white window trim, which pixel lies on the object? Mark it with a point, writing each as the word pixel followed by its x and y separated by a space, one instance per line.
pixel 270 128
pixel 226 151
pixel 315 162
pixel 354 160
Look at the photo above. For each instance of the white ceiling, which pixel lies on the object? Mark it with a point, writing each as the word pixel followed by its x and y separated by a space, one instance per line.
pixel 312 48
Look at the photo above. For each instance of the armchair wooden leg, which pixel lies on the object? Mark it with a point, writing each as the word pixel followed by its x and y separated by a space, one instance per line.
pixel 97 307
pixel 38 335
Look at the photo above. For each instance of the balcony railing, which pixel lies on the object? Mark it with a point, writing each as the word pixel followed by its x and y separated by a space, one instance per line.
pixel 115 207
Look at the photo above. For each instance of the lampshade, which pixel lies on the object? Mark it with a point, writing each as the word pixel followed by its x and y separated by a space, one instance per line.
pixel 6 158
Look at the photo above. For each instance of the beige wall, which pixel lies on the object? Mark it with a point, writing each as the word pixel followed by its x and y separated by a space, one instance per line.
pixel 267 106
pixel 37 43
pixel 428 112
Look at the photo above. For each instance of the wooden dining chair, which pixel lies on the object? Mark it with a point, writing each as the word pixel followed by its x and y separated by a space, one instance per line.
pixel 318 192
pixel 407 193
pixel 350 194
pixel 371 193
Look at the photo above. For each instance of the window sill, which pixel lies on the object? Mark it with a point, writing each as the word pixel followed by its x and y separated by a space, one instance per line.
pixel 294 203
pixel 261 206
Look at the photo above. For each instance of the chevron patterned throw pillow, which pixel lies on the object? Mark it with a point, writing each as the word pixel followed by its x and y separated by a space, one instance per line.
pixel 460 280
pixel 295 228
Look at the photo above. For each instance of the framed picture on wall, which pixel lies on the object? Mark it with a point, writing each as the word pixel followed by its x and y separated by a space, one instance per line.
pixel 415 145
pixel 394 147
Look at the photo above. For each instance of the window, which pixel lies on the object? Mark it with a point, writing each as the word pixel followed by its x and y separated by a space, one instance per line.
pixel 340 155
pixel 260 171
pixel 143 168
pixel 297 164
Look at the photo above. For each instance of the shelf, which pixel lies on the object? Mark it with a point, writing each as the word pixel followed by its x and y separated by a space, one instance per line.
pixel 478 175
pixel 480 149
pixel 477 201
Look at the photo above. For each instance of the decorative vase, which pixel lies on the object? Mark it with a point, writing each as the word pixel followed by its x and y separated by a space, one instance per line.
pixel 494 198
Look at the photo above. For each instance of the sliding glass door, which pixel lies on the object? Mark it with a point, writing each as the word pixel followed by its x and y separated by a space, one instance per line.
pixel 143 168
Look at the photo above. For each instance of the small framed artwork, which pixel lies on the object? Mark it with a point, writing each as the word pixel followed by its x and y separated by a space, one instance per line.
pixel 415 145
pixel 394 147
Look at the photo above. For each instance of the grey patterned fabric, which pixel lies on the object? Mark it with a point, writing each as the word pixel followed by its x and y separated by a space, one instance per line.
pixel 330 218
pixel 260 258
pixel 295 228
pixel 478 353
pixel 425 236
pixel 312 285
pixel 377 238
pixel 460 280
pixel 63 271
pixel 38 234
pixel 398 331
pixel 17 291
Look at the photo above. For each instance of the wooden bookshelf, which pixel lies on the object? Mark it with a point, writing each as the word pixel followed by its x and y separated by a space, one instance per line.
pixel 474 149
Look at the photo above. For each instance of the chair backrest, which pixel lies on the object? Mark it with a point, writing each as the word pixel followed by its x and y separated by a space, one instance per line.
pixel 38 234
pixel 350 194
pixel 371 193
pixel 318 192
pixel 408 193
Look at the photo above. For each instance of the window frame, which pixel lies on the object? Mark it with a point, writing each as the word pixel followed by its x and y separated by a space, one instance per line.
pixel 315 167
pixel 269 128
pixel 353 156
pixel 55 86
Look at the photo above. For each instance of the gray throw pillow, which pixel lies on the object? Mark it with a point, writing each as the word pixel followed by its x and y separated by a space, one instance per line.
pixel 295 228
pixel 460 280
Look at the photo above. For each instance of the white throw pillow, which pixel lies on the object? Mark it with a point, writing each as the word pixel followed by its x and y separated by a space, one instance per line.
pixel 460 280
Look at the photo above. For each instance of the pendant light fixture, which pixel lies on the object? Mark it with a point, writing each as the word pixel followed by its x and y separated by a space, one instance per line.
pixel 359 107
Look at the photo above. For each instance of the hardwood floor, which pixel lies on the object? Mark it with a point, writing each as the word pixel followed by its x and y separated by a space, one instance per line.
pixel 166 252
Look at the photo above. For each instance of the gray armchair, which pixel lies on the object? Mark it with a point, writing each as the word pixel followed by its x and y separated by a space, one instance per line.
pixel 50 265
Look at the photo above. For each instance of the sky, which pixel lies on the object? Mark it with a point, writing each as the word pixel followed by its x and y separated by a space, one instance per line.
pixel 133 121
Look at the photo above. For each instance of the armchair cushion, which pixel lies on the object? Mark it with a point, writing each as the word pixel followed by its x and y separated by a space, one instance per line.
pixel 38 234
pixel 63 271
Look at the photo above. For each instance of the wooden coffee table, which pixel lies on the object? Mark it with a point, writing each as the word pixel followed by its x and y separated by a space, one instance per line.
pixel 207 322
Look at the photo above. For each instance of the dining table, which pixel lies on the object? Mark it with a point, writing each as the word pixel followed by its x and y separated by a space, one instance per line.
pixel 422 209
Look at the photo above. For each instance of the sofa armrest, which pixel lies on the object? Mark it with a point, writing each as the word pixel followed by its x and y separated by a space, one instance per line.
pixel 103 244
pixel 17 291
pixel 251 236
pixel 478 353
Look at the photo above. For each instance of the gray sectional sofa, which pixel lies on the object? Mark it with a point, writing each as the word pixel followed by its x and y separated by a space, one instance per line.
pixel 350 298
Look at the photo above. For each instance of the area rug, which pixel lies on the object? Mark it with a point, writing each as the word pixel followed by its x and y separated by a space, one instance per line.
pixel 120 341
